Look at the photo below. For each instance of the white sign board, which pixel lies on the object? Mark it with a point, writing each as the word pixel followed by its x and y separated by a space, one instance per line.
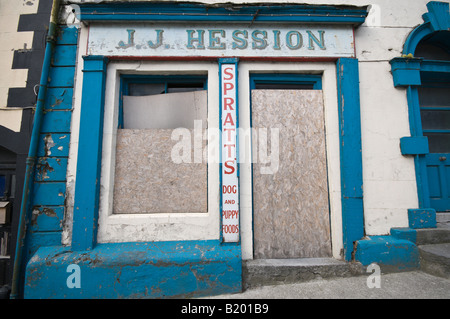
pixel 230 181
pixel 220 40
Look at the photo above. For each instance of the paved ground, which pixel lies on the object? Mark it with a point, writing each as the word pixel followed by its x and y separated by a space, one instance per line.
pixel 405 285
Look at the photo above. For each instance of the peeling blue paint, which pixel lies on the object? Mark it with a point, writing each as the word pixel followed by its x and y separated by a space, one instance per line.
pixel 51 169
pixel 422 218
pixel 137 270
pixel 54 145
pixel 388 251
pixel 47 218
pixel 59 99
pixel 48 193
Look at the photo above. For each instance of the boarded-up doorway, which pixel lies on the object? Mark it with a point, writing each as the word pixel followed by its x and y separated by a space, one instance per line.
pixel 290 201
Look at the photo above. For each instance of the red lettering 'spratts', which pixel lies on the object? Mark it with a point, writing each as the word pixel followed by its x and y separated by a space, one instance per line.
pixel 229 166
pixel 229 130
pixel 230 188
pixel 228 102
pixel 228 120
pixel 227 86
pixel 230 74
pixel 229 146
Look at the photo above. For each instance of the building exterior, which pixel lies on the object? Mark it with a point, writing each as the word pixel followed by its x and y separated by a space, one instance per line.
pixel 176 140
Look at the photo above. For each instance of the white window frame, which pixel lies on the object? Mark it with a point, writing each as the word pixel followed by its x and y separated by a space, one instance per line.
pixel 160 226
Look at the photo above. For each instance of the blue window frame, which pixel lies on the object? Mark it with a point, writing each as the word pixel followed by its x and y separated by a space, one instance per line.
pixel 286 81
pixel 2 185
pixel 157 84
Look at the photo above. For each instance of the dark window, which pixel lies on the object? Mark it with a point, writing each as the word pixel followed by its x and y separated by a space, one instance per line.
pixel 434 94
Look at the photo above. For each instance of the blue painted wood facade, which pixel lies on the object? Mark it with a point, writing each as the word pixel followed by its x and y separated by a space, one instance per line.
pixel 48 192
pixel 168 268
pixel 87 191
pixel 53 151
pixel 350 153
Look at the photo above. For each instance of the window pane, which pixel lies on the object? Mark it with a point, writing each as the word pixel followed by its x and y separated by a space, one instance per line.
pixel 434 46
pixel 438 142
pixel 431 52
pixel 13 186
pixel 434 97
pixel 435 120
pixel 276 86
pixel 184 87
pixel 2 185
pixel 140 89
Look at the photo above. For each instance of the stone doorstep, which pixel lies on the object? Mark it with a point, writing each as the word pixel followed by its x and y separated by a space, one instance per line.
pixel 443 217
pixel 435 259
pixel 261 272
pixel 438 235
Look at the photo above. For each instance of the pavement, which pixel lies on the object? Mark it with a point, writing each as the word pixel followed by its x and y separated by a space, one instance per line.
pixel 403 285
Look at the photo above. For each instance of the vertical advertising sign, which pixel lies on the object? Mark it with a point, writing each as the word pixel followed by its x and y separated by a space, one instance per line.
pixel 230 182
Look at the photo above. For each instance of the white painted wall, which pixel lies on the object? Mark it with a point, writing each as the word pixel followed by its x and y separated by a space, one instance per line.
pixel 11 118
pixel 389 177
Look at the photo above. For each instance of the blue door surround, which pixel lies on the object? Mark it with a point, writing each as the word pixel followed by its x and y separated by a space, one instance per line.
pixel 398 250
pixel 407 72
pixel 182 268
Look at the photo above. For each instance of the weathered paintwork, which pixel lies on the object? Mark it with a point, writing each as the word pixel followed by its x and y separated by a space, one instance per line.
pixel 221 40
pixel 350 153
pixel 388 251
pixel 137 270
pixel 422 218
pixel 87 189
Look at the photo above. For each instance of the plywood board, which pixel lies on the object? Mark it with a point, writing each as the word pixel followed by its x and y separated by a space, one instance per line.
pixel 148 181
pixel 291 210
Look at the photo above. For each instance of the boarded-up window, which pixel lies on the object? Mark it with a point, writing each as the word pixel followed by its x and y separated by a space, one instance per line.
pixel 147 179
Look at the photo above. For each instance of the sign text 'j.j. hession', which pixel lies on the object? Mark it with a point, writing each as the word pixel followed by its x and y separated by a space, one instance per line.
pixel 217 39
pixel 151 40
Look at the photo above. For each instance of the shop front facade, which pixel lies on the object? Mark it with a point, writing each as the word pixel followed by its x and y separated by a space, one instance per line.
pixel 179 140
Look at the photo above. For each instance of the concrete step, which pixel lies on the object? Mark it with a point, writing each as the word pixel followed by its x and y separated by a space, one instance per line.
pixel 262 272
pixel 443 217
pixel 435 259
pixel 438 235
